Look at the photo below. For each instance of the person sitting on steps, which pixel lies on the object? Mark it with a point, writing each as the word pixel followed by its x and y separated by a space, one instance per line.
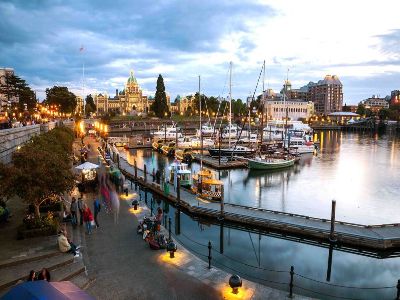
pixel 67 246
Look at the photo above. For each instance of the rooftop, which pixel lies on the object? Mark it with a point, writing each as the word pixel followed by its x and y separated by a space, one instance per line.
pixel 343 114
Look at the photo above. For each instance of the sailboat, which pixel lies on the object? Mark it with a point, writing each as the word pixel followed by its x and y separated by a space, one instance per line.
pixel 204 184
pixel 232 132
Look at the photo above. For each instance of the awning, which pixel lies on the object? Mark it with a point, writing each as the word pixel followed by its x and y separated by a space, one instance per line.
pixel 87 166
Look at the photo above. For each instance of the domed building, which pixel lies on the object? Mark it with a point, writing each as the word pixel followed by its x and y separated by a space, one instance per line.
pixel 129 101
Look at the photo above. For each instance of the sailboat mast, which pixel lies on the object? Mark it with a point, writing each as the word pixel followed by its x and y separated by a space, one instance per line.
pixel 230 103
pixel 263 105
pixel 201 133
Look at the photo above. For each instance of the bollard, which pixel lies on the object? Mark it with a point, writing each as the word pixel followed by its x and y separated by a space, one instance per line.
pixel 178 190
pixel 332 234
pixel 145 173
pixel 398 290
pixel 169 229
pixel 135 175
pixel 145 195
pixel 291 282
pixel 222 202
pixel 209 254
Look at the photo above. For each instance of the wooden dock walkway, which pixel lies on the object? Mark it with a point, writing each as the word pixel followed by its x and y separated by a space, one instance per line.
pixel 225 164
pixel 371 237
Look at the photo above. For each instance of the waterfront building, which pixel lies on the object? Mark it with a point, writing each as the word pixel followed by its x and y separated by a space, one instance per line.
pixel 185 104
pixel 395 97
pixel 6 100
pixel 79 105
pixel 297 109
pixel 375 103
pixel 326 94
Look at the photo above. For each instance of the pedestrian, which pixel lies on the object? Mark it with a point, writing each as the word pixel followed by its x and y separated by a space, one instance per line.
pixel 73 209
pixel 80 207
pixel 96 210
pixel 114 202
pixel 65 245
pixel 87 218
pixel 44 275
pixel 32 276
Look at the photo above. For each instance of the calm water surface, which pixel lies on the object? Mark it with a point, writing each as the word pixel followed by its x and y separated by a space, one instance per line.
pixel 360 171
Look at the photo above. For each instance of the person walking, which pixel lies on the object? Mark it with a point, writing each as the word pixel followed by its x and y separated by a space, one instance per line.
pixel 80 207
pixel 114 202
pixel 87 218
pixel 96 210
pixel 74 209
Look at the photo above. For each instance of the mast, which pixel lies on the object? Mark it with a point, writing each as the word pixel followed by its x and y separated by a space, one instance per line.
pixel 230 103
pixel 263 106
pixel 201 133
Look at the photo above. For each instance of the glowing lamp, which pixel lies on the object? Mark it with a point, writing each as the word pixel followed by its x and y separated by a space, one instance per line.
pixel 235 282
pixel 135 204
pixel 171 248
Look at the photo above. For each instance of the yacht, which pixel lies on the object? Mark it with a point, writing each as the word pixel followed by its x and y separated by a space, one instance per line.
pixel 235 151
pixel 206 130
pixel 231 131
pixel 168 132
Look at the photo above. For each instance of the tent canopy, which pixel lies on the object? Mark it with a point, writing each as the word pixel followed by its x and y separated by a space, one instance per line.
pixel 87 166
pixel 41 289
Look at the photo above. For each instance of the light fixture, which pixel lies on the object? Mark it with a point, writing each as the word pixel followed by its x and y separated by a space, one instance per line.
pixel 171 248
pixel 235 282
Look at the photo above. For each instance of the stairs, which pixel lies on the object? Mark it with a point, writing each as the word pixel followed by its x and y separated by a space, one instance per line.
pixel 62 267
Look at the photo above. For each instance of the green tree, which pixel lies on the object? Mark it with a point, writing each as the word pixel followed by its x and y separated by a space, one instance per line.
pixel 160 105
pixel 384 113
pixel 90 106
pixel 60 95
pixel 15 87
pixel 361 109
pixel 41 169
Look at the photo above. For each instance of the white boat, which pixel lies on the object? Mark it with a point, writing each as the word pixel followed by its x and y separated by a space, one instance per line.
pixel 270 163
pixel 300 145
pixel 231 131
pixel 206 130
pixel 252 139
pixel 169 132
pixel 185 142
pixel 232 151
pixel 180 169
pixel 196 143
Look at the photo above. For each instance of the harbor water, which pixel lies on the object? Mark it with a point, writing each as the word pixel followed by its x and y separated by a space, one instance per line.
pixel 360 171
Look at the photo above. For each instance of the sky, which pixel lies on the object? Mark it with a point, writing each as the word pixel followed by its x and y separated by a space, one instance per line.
pixel 304 40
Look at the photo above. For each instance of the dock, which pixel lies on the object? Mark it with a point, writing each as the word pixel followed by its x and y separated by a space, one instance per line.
pixel 384 238
pixel 225 164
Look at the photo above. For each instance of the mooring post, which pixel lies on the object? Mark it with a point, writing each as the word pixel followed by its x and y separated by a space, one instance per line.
pixel 135 165
pixel 209 254
pixel 177 222
pixel 169 228
pixel 291 282
pixel 398 290
pixel 145 173
pixel 178 190
pixel 222 202
pixel 145 194
pixel 151 206
pixel 219 146
pixel 332 234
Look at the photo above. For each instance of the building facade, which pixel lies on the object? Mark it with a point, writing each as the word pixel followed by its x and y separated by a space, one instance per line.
pixel 6 100
pixel 375 103
pixel 129 101
pixel 79 105
pixel 395 97
pixel 185 104
pixel 294 109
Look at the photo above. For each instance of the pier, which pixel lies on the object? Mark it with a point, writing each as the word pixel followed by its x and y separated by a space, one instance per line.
pixel 379 238
pixel 221 164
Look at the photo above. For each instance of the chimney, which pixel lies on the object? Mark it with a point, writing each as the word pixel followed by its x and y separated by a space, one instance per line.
pixel 116 92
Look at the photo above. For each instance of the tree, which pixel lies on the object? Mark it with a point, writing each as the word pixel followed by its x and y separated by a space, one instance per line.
pixel 41 169
pixel 160 105
pixel 15 87
pixel 384 113
pixel 361 109
pixel 60 95
pixel 90 106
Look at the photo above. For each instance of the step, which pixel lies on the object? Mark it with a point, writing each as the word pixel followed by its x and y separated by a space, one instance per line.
pixel 12 274
pixel 82 281
pixel 67 272
pixel 29 258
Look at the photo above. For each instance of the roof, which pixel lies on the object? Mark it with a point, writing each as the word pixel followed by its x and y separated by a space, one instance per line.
pixel 343 114
pixel 212 181
pixel 131 78
pixel 330 79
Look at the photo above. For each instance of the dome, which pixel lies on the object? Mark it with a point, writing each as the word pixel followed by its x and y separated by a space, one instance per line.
pixel 131 78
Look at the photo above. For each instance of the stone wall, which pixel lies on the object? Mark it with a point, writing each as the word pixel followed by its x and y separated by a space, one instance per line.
pixel 11 139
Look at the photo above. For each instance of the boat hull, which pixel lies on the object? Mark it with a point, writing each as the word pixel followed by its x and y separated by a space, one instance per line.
pixel 263 165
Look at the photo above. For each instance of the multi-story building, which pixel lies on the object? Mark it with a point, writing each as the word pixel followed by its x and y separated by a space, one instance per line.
pixel 375 103
pixel 185 104
pixel 395 97
pixel 129 100
pixel 326 94
pixel 294 109
pixel 5 99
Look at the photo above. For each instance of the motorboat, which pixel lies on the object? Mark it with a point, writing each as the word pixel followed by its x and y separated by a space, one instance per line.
pixel 206 186
pixel 180 169
pixel 169 149
pixel 300 145
pixel 184 155
pixel 168 133
pixel 231 131
pixel 206 130
pixel 185 142
pixel 156 145
pixel 207 142
pixel 235 151
pixel 252 139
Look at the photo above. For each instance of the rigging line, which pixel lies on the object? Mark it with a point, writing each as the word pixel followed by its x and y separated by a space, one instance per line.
pixel 255 253
pixel 219 100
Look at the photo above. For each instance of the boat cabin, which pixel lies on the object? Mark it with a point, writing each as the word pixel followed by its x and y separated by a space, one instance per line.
pixel 205 186
pixel 181 170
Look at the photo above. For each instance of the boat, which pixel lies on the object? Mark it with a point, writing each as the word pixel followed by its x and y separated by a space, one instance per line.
pixel 252 140
pixel 185 142
pixel 168 133
pixel 206 186
pixel 233 151
pixel 231 131
pixel 196 143
pixel 300 145
pixel 156 145
pixel 206 130
pixel 181 170
pixel 184 155
pixel 169 149
pixel 270 163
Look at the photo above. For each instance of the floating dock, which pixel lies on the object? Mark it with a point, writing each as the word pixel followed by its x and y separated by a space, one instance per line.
pixel 225 164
